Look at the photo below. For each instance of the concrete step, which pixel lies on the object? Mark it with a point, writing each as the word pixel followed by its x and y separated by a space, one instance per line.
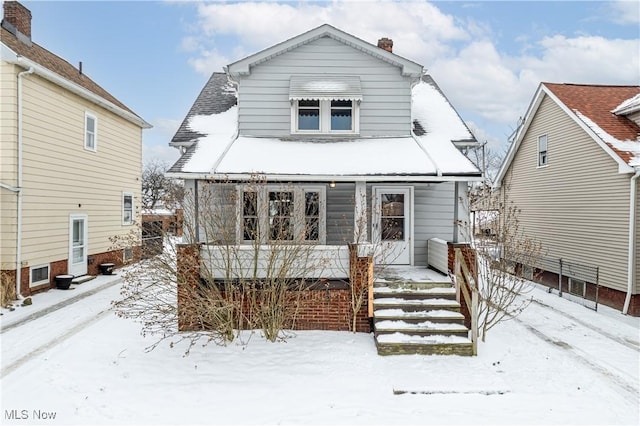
pixel 436 315
pixel 422 328
pixel 404 344
pixel 416 304
pixel 82 279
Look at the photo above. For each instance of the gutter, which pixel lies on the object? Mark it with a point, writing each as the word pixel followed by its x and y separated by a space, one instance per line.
pixel 19 187
pixel 632 241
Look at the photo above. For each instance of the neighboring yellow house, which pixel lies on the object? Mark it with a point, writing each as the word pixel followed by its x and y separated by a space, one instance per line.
pixel 573 171
pixel 70 168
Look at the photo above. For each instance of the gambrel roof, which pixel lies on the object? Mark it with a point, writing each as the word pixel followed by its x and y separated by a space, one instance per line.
pixel 597 110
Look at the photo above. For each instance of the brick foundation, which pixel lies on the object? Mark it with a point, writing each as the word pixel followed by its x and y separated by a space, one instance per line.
pixel 319 307
pixel 59 267
pixel 606 296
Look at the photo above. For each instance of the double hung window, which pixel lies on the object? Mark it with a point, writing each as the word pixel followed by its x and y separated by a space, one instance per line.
pixel 90 132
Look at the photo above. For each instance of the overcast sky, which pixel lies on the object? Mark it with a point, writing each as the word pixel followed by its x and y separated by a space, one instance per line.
pixel 487 56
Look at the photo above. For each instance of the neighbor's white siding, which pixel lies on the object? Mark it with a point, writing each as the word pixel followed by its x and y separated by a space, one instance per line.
pixel 263 97
pixel 578 205
pixel 60 177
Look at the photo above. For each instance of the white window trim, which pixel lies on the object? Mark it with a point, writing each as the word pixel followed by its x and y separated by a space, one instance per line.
pixel 87 116
pixel 546 161
pixel 133 209
pixel 41 282
pixel 298 212
pixel 325 119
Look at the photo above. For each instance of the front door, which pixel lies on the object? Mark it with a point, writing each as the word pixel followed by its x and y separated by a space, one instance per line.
pixel 392 231
pixel 78 245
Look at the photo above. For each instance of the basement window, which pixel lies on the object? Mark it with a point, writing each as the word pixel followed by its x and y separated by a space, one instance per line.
pixel 39 275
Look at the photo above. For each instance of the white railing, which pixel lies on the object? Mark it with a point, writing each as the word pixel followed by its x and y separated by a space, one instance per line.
pixel 247 261
pixel 438 255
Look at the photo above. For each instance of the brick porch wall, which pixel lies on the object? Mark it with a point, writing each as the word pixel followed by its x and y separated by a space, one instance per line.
pixel 326 308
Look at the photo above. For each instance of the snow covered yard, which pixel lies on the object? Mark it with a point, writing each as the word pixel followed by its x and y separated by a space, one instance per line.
pixel 86 366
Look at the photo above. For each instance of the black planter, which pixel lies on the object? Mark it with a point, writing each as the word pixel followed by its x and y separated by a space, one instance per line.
pixel 107 268
pixel 63 282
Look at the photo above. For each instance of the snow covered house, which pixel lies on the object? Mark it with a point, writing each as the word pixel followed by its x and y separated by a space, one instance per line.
pixel 352 142
pixel 59 132
pixel 573 171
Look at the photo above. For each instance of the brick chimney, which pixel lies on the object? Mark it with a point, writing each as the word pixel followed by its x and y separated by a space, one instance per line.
pixel 386 44
pixel 18 17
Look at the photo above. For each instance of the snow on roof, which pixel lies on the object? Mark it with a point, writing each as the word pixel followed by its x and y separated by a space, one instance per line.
pixel 219 130
pixel 441 125
pixel 375 156
pixel 432 153
pixel 630 146
pixel 628 106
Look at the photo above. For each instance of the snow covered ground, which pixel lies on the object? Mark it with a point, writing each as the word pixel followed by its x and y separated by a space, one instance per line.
pixel 558 363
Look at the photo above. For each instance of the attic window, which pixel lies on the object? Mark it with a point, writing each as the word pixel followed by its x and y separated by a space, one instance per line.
pixel 325 104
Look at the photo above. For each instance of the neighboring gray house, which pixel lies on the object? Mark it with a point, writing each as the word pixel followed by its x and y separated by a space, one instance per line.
pixel 362 141
pixel 573 172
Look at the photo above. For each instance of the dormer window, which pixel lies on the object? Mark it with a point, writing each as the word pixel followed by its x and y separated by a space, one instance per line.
pixel 325 104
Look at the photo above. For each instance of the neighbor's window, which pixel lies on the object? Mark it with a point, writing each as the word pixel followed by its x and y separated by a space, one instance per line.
pixel 315 116
pixel 39 275
pixel 577 287
pixel 542 150
pixel 127 208
pixel 90 132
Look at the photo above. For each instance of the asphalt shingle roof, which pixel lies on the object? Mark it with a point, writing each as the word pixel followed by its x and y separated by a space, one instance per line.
pixel 596 102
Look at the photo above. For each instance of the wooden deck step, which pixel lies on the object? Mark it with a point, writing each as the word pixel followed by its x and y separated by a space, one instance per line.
pixel 436 315
pixel 412 293
pixel 404 344
pixel 416 304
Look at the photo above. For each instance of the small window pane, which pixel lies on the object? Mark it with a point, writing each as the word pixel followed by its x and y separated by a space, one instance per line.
pixel 312 229
pixel 40 274
pixel 309 119
pixel 91 124
pixel 341 115
pixel 127 208
pixel 280 212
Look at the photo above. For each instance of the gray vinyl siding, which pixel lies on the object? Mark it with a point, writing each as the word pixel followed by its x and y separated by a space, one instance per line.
pixel 578 205
pixel 433 216
pixel 263 96
pixel 340 213
pixel 635 117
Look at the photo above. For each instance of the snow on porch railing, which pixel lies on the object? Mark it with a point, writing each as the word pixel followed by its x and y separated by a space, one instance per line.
pixel 249 261
pixel 466 284
pixel 438 255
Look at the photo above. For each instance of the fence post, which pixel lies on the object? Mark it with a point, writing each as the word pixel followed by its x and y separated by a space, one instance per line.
pixel 560 279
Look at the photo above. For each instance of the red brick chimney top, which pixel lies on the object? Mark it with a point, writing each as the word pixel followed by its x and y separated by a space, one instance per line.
pixel 18 16
pixel 386 44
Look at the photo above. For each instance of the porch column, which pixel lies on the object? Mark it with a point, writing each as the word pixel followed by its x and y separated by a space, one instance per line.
pixel 360 222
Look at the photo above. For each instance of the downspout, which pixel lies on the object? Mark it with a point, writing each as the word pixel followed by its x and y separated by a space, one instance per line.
pixel 632 241
pixel 19 188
